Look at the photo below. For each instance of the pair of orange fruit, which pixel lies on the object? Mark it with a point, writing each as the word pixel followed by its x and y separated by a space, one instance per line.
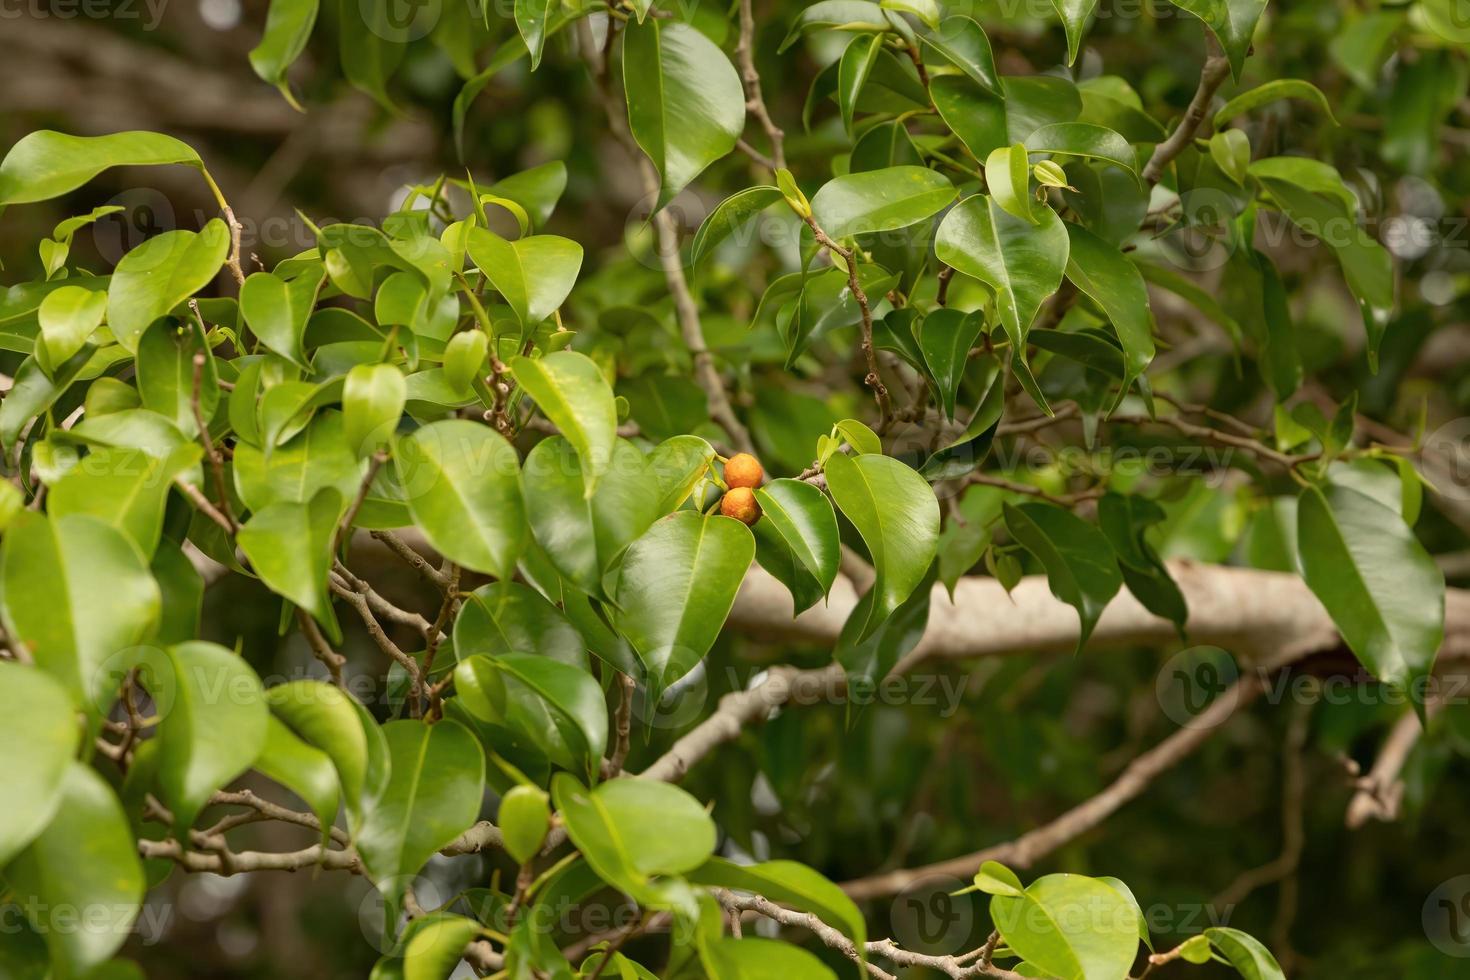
pixel 743 474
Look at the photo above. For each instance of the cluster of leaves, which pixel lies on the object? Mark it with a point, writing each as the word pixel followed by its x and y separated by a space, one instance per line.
pixel 987 235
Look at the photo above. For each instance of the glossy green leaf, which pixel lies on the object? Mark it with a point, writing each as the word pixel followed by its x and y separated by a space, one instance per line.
pixel 326 717
pixel 287 29
pixel 373 396
pixel 85 861
pixel 1233 22
pixel 507 617
pixel 849 15
pixel 632 829
pixel 1070 927
pixel 803 518
pixel 315 458
pixel 791 884
pixel 1074 15
pixel 728 217
pixel 160 274
pixel 880 200
pixel 532 20
pixel 1086 140
pixel 67 317
pixel 967 533
pixel 1376 581
pixel 462 483
pixel 558 706
pixel 289 545
pixel 276 309
pixel 1008 178
pixel 1115 284
pixel 1279 88
pixel 894 510
pixel 571 391
pixel 533 274
pixel 679 464
pixel 852 73
pixel 436 949
pixel 1125 521
pixel 524 820
pixel 76 591
pixel 464 358
pixel 1080 566
pixel 675 587
pixel 46 164
pixel 41 731
pixel 1244 952
pixel 306 771
pixel 686 107
pixel 946 338
pixel 754 958
pixel 432 795
pixel 962 42
pixel 165 363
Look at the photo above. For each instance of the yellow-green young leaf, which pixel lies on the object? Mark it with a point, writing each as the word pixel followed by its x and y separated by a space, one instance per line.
pixel 86 860
pixel 557 707
pixel 533 275
pixel 1046 927
pixel 304 770
pixel 994 878
pixel 632 829
pixel 373 397
pixel 213 722
pixel 524 819
pixel 675 587
pixel 1074 14
pixel 1379 585
pixel 895 512
pixel 880 200
pixel 686 107
pixel 289 545
pixel 47 164
pixel 927 11
pixel 1008 178
pixel 160 274
pixel 68 317
pixel 287 29
pixel 436 948
pixel 464 356
pixel 13 503
pixel 1280 88
pixel 570 391
pixel 276 310
pixel 76 592
pixel 125 487
pixel 1081 568
pixel 762 958
pixel 41 732
pixel 1231 151
pixel 462 482
pixel 436 778
pixel 327 717
pixel 1251 960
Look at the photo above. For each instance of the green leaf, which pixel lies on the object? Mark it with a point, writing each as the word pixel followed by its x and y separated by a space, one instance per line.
pixel 967 533
pixel 1233 22
pixel 1070 927
pixel 1022 262
pixel 47 164
pixel 728 216
pixel 533 274
pixel 464 358
pixel 675 587
pixel 305 771
pixel 679 464
pixel 583 535
pixel 994 878
pixel 632 829
pixel 160 274
pixel 852 73
pixel 67 317
pixel 1279 88
pixel 1376 581
pixel 327 718
pixel 1251 960
pixel 373 396
pixel 1125 521
pixel 315 458
pixel 524 819
pixel 1074 14
pixel 793 885
pixel 289 545
pixel 559 707
pixel 946 337
pixel 570 391
pixel 975 115
pixel 847 15
pixel 39 728
pixel 165 364
pixel 276 310
pixel 1080 566
pixel 532 19
pixel 1115 284
pixel 880 200
pixel 127 488
pixel 963 43
pixel 86 860
pixel 802 517
pixel 754 959
pixel 1008 178
pixel 76 591
pixel 894 510
pixel 1086 140
pixel 432 795
pixel 287 29
pixel 462 483
pixel 508 617
pixel 686 106
pixel 436 949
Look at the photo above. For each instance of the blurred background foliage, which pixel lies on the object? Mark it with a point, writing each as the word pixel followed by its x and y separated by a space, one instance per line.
pixel 991 748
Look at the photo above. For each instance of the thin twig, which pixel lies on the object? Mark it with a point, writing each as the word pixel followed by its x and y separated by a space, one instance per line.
pixel 755 103
pixel 1212 76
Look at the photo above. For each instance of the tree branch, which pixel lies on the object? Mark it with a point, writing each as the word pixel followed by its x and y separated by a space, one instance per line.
pixel 1212 76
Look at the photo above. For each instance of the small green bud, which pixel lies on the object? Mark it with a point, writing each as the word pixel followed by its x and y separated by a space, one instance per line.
pixel 794 197
pixel 1195 949
pixel 1049 173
